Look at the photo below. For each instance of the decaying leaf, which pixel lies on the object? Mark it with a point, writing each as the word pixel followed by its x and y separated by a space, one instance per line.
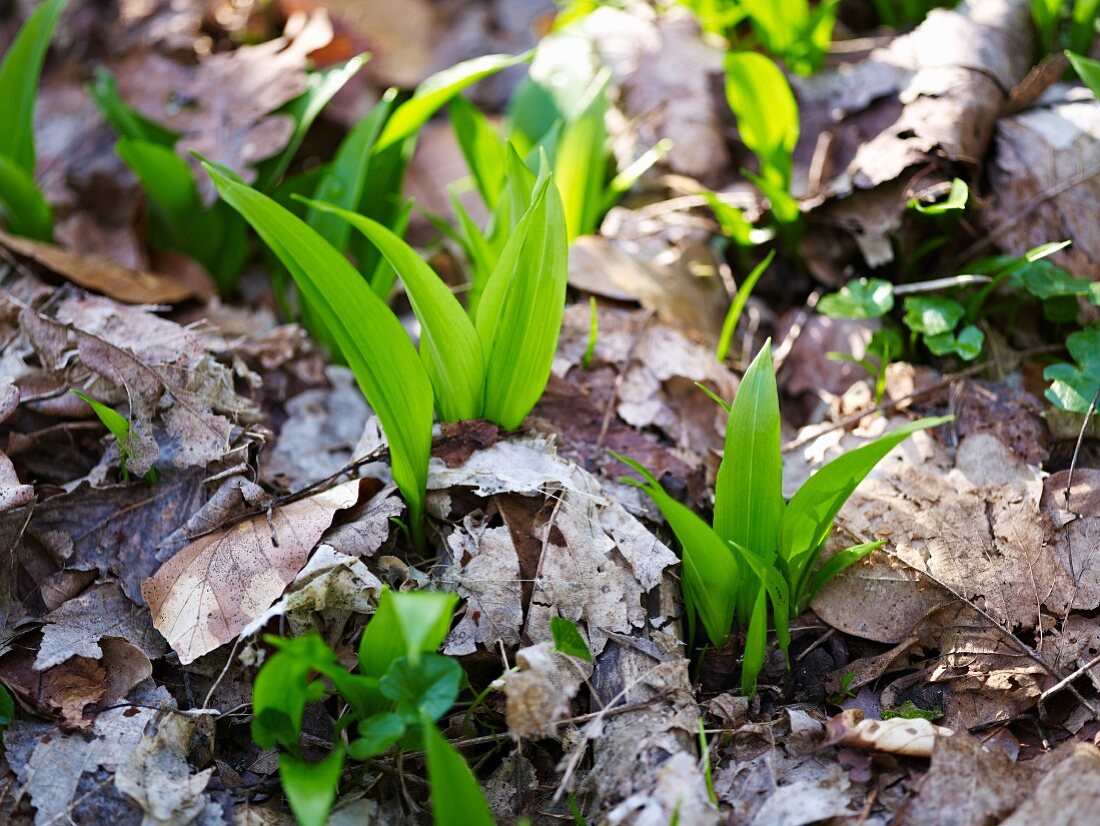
pixel 1039 154
pixel 974 522
pixel 931 95
pixel 232 97
pixel 157 775
pixel 161 369
pixel 539 693
pixel 206 594
pixel 51 763
pixel 13 493
pixel 581 570
pixel 76 628
pixel 101 275
pixel 912 738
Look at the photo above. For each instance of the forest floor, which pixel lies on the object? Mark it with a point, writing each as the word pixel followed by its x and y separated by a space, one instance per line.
pixel 951 676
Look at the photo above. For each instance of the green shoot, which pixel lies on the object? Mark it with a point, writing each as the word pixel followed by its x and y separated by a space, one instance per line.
pixel 762 551
pixel 119 427
pixel 401 690
pixel 740 298
pixel 704 759
pixel 767 119
pixel 1088 70
pixel 21 202
pixel 593 333
pixel 369 336
pixel 7 711
pixel 955 201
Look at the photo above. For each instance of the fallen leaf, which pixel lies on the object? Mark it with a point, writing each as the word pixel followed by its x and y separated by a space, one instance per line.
pixel 55 761
pixel 539 692
pixel 208 592
pixel 1036 153
pixel 157 775
pixel 76 628
pixel 101 275
pixel 911 738
pixel 232 98
pixel 930 95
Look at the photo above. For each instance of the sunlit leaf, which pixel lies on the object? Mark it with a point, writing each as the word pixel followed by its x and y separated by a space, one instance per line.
pixel 456 797
pixel 932 315
pixel 311 787
pixel 956 200
pixel 449 343
pixel 377 349
pixel 859 298
pixel 568 640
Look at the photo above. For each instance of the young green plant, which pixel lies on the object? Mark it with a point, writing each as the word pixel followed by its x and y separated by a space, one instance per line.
pixel 494 365
pixel 119 427
pixel 761 550
pixel 767 120
pixel 401 689
pixel 22 205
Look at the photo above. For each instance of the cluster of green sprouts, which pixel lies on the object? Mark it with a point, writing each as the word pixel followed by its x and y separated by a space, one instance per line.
pixel 762 550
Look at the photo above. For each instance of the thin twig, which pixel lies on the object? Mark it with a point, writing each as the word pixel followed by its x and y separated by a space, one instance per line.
pixel 1080 440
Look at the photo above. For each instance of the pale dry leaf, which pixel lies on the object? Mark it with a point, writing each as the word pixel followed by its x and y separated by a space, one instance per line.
pixel 808 801
pixel 326 591
pixel 975 524
pixel 158 776
pixel 985 677
pixel 77 626
pixel 1037 153
pixel 487 576
pixel 912 738
pixel 208 592
pixel 539 693
pixel 52 773
pixel 365 528
pixel 13 493
pixel 321 429
pixel 590 561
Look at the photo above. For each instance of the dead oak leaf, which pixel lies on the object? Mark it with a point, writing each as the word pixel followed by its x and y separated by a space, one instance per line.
pixel 76 628
pixel 206 594
pixel 230 100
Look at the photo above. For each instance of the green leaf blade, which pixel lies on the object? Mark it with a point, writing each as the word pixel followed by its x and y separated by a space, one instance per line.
pixel 450 345
pixel 748 494
pixel 19 74
pixel 384 362
pixel 520 313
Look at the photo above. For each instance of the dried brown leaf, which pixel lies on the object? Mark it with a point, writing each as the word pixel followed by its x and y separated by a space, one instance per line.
pixel 212 589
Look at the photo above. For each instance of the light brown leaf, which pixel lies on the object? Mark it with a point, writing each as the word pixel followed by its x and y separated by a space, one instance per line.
pixel 208 592
pixel 912 738
pixel 539 692
pixel 101 275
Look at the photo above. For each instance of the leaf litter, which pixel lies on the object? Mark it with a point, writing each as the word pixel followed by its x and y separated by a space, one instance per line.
pixel 133 615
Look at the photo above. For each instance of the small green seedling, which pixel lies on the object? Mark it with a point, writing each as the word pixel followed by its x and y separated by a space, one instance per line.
pixel 494 365
pixel 22 205
pixel 593 333
pixel 568 640
pixel 955 201
pixel 740 298
pixel 401 689
pixel 1073 386
pixel 119 427
pixel 761 549
pixel 767 120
